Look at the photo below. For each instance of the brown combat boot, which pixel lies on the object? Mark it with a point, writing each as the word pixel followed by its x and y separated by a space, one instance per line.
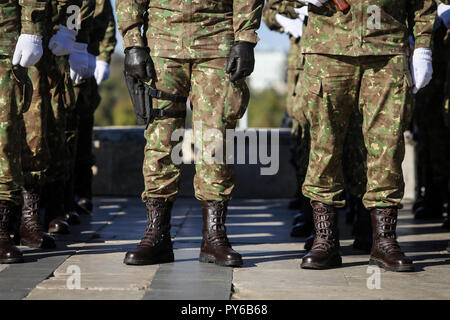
pixel 156 244
pixel 215 247
pixel 9 253
pixel 30 231
pixel 386 252
pixel 324 253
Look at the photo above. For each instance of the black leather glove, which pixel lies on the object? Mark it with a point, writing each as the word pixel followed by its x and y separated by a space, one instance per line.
pixel 241 61
pixel 139 64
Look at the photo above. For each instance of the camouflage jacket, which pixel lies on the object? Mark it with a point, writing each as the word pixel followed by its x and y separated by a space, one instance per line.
pixel 187 29
pixel 285 8
pixel 107 45
pixel 102 20
pixel 20 16
pixel 371 27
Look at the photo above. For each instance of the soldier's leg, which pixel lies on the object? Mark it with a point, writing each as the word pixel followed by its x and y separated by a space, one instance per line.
pixel 329 88
pixel 62 100
pixel 218 104
pixel 354 166
pixel 303 221
pixel 386 104
pixel 86 106
pixel 35 158
pixel 161 174
pixel 11 179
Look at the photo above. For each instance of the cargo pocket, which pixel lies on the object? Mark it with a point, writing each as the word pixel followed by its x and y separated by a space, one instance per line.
pixel 23 88
pixel 236 100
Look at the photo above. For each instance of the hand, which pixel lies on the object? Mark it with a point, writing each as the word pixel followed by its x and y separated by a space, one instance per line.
pixel 317 3
pixel 443 13
pixel 302 12
pixel 294 27
pixel 62 42
pixel 421 68
pixel 138 63
pixel 241 61
pixel 28 50
pixel 79 62
pixel 101 71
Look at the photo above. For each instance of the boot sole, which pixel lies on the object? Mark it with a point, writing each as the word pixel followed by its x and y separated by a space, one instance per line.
pixel 207 258
pixel 143 262
pixel 42 245
pixel 381 264
pixel 56 232
pixel 11 260
pixel 315 266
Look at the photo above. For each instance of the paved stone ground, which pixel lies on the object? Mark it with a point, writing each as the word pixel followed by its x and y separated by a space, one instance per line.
pixel 259 229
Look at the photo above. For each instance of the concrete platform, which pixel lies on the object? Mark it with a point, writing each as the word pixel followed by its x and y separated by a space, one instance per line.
pixel 88 263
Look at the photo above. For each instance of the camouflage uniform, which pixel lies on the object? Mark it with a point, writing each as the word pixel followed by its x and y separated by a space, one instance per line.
pixel 347 63
pixel 354 168
pixel 300 133
pixel 190 43
pixel 432 128
pixel 102 41
pixel 16 17
pixel 43 151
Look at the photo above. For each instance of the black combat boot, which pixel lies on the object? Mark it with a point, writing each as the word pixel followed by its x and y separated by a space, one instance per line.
pixel 215 247
pixel 30 231
pixel 156 244
pixel 303 223
pixel 84 206
pixel 324 253
pixel 9 253
pixel 70 214
pixel 386 252
pixel 54 209
pixel 362 229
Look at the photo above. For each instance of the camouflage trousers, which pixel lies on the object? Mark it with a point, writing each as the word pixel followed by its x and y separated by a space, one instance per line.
pixel 354 154
pixel 44 122
pixel 217 104
pixel 381 88
pixel 431 126
pixel 82 125
pixel 14 98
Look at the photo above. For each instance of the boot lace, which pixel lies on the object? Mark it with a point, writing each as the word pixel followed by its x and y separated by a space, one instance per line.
pixel 325 236
pixel 154 233
pixel 387 222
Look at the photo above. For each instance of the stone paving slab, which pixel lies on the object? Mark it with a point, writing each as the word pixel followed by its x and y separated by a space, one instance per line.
pixel 258 229
pixel 272 271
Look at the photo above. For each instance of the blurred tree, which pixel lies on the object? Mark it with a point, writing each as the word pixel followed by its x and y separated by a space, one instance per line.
pixel 266 109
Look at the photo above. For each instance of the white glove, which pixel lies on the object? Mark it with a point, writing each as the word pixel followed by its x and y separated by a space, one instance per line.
pixel 292 26
pixel 421 68
pixel 302 12
pixel 62 41
pixel 443 13
pixel 79 62
pixel 92 61
pixel 101 71
pixel 317 3
pixel 28 50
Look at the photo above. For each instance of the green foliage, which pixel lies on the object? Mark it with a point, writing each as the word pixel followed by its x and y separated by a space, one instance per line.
pixel 266 108
pixel 115 108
